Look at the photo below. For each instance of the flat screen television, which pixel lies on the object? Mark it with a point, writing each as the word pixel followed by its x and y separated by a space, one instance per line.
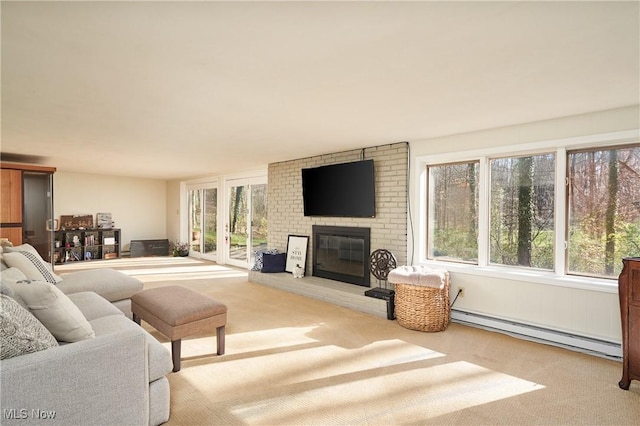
pixel 340 190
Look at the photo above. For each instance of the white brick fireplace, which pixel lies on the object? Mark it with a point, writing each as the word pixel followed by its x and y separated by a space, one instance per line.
pixel 388 229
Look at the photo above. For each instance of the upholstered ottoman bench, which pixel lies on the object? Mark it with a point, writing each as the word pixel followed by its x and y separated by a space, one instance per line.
pixel 178 312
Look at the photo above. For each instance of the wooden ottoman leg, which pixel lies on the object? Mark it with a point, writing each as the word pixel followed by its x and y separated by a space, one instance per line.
pixel 220 339
pixel 136 319
pixel 175 354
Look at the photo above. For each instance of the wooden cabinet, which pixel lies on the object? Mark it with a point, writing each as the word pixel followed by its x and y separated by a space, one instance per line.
pixel 11 192
pixel 26 191
pixel 12 233
pixel 86 244
pixel 629 293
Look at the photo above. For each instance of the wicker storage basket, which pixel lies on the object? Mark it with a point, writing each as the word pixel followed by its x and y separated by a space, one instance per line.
pixel 423 308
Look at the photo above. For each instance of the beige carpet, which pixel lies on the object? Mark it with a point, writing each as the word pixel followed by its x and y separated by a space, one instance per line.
pixel 291 360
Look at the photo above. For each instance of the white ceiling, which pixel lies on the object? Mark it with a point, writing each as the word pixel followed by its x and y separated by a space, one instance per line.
pixel 181 89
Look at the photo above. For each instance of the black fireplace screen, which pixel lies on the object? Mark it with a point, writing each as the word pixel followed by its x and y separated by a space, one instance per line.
pixel 341 253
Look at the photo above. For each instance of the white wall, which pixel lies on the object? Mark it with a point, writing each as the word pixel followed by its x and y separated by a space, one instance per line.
pixel 574 307
pixel 138 206
pixel 559 128
pixel 173 211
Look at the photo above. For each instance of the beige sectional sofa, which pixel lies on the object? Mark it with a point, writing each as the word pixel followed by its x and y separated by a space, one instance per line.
pixel 112 371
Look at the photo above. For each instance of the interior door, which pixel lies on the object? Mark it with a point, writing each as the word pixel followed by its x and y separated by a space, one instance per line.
pixel 246 221
pixel 37 225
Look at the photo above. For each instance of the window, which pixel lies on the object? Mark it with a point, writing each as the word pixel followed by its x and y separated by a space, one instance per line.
pixel 567 207
pixel 522 200
pixel 604 209
pixel 453 204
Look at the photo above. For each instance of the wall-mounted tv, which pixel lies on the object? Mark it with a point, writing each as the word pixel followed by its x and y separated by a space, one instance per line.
pixel 340 190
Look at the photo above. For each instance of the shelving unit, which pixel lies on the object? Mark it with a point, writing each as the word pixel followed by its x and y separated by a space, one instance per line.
pixel 80 245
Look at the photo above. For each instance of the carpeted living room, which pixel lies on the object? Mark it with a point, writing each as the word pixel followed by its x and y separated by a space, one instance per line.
pixel 320 212
pixel 294 360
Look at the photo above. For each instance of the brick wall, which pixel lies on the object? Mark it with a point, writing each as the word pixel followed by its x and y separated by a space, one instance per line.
pixel 388 227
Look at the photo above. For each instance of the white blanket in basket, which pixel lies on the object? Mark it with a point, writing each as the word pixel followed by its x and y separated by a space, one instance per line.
pixel 418 275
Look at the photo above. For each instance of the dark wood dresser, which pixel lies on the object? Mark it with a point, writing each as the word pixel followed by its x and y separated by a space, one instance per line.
pixel 629 292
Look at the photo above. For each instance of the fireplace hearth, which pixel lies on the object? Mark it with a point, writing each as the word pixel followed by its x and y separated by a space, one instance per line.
pixel 341 253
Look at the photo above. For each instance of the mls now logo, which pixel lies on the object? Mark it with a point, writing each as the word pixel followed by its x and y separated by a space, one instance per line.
pixel 23 413
pixel 14 413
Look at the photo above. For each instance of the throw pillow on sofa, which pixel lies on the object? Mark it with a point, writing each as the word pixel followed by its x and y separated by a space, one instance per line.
pixel 272 263
pixel 31 264
pixel 55 310
pixel 20 332
pixel 10 278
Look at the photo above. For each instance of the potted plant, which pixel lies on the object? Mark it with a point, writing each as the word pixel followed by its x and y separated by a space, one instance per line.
pixel 181 249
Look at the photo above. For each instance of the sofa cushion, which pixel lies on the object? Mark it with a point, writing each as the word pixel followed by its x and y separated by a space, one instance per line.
pixel 160 362
pixel 6 290
pixel 10 277
pixel 55 310
pixel 3 265
pixel 93 306
pixel 13 274
pixel 32 265
pixel 111 284
pixel 20 332
pixel 22 247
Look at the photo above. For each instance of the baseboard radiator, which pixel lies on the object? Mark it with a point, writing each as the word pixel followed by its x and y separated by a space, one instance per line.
pixel 574 342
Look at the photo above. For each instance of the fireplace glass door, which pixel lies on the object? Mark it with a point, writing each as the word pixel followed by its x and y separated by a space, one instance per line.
pixel 342 254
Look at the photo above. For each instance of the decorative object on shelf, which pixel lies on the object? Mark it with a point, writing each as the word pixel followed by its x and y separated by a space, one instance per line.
pixel 104 220
pixel 298 271
pixel 76 221
pixel 296 252
pixel 381 262
pixel 181 249
pixel 52 225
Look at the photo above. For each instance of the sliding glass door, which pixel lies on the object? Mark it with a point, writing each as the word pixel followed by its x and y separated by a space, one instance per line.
pixel 203 221
pixel 246 224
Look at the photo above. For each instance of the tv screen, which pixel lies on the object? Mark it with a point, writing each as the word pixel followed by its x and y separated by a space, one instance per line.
pixel 346 190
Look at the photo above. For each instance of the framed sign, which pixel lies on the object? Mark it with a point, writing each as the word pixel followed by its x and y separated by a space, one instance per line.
pixel 104 220
pixel 76 221
pixel 296 252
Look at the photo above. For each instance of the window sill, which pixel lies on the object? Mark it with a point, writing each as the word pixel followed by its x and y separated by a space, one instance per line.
pixel 531 276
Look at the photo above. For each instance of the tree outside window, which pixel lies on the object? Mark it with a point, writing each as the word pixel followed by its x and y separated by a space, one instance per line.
pixel 604 210
pixel 453 206
pixel 522 211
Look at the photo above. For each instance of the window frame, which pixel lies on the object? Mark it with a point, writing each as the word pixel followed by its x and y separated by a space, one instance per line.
pixel 560 147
